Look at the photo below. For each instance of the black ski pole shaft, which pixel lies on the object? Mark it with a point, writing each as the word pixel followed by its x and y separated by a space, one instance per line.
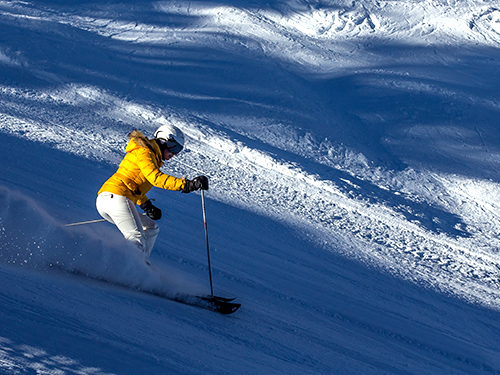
pixel 206 239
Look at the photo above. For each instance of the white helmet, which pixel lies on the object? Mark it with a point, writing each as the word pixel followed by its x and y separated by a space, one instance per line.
pixel 170 137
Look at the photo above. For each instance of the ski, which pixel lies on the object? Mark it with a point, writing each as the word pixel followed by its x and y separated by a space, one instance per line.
pixel 222 305
pixel 214 303
pixel 218 304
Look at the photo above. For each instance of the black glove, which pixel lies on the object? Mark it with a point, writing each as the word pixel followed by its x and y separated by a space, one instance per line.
pixel 152 211
pixel 200 182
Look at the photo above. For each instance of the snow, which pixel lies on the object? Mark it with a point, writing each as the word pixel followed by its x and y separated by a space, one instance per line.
pixel 352 150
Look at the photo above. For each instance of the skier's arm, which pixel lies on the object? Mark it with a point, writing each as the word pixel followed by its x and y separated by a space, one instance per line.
pixel 154 176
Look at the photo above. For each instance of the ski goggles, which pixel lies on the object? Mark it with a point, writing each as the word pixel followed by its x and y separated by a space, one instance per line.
pixel 171 145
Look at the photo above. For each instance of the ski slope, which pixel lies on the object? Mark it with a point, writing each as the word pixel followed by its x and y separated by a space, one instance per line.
pixel 352 150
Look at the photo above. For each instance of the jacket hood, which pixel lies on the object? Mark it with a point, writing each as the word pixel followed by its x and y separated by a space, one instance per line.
pixel 138 140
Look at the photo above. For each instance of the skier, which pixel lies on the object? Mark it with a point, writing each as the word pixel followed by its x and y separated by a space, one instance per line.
pixel 138 172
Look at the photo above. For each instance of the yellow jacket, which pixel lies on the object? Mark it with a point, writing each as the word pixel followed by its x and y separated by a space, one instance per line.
pixel 140 170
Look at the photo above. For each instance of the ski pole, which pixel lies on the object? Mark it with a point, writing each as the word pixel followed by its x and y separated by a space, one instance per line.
pixel 89 222
pixel 206 239
pixel 85 222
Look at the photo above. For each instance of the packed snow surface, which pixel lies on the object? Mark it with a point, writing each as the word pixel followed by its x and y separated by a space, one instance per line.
pixel 354 205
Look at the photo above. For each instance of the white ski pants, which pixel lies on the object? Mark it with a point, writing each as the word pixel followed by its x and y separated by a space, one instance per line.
pixel 136 228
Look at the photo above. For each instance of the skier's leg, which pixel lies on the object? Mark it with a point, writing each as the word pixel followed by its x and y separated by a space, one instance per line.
pixel 151 231
pixel 121 211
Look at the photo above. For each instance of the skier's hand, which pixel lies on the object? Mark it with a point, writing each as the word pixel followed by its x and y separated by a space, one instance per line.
pixel 200 182
pixel 152 211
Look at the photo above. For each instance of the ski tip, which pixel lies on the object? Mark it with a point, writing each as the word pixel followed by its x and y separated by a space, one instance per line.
pixel 229 309
pixel 221 305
